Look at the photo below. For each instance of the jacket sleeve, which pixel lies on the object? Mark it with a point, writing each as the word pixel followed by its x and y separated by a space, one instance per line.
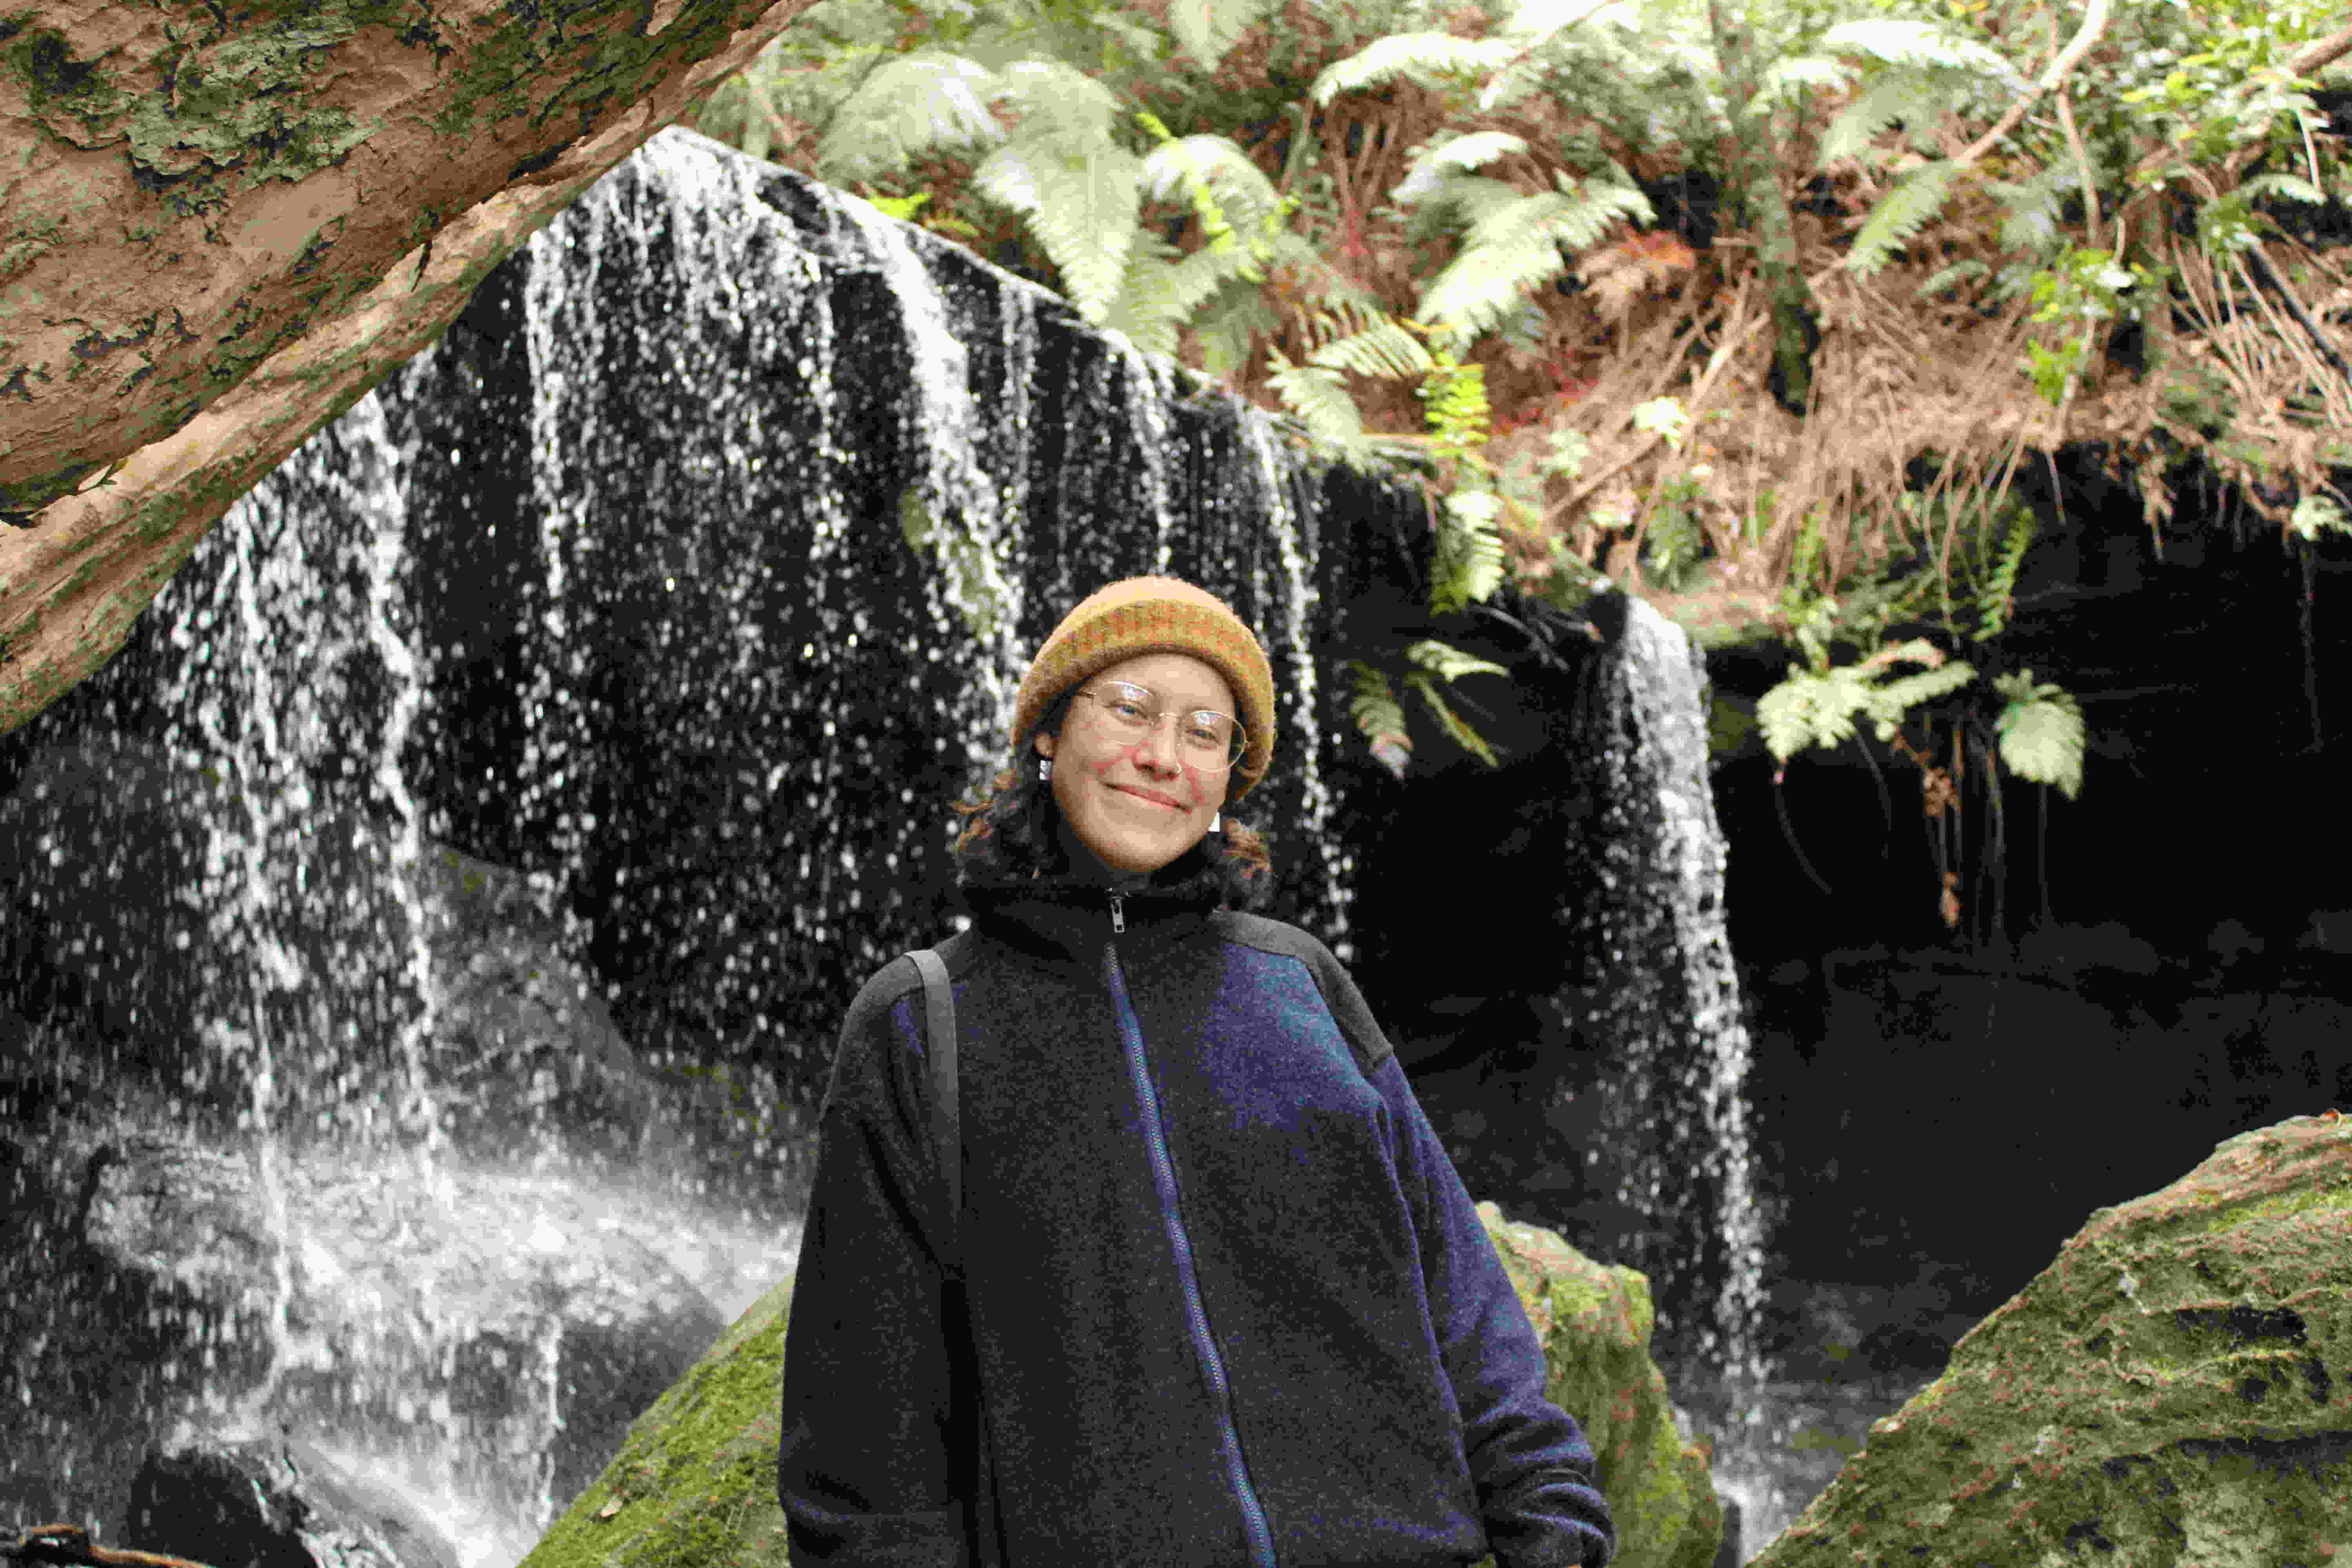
pixel 1534 1471
pixel 862 1465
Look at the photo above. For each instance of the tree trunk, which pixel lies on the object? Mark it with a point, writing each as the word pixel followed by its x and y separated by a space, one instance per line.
pixel 217 236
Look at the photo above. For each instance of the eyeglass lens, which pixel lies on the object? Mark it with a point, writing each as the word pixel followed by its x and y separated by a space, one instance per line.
pixel 1209 738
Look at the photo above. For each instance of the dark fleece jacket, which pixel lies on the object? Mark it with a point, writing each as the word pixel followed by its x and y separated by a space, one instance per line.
pixel 1229 1302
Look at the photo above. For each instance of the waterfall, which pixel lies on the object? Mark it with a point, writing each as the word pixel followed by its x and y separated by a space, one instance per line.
pixel 611 665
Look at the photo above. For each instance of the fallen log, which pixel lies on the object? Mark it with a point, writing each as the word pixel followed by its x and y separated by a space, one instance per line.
pixel 70 1544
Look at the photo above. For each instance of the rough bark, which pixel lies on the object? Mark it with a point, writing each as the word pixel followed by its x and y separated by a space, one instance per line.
pixel 220 229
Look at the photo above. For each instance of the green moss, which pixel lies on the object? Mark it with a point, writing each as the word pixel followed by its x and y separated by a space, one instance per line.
pixel 42 60
pixel 2161 1395
pixel 695 1480
pixel 694 1484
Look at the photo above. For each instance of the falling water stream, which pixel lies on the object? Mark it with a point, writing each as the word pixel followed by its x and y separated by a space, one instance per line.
pixel 593 682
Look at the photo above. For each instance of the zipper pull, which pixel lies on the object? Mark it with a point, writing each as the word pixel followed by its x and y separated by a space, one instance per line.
pixel 1117 920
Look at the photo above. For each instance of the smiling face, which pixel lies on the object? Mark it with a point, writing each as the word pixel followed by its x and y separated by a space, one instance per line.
pixel 1095 777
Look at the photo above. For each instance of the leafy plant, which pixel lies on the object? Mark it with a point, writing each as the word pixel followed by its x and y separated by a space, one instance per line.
pixel 2041 730
pixel 1383 206
pixel 1818 708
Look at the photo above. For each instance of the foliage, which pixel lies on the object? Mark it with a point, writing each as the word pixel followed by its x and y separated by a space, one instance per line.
pixel 2041 731
pixel 1423 235
pixel 1818 707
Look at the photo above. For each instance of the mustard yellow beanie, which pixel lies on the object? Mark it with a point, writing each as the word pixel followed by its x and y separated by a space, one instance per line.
pixel 1156 615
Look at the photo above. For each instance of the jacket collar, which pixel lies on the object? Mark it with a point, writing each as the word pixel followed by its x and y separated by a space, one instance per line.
pixel 1068 915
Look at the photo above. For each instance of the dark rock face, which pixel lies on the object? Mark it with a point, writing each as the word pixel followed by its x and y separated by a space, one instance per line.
pixel 271 1505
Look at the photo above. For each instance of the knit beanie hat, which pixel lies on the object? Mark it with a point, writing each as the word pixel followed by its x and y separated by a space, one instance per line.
pixel 1156 615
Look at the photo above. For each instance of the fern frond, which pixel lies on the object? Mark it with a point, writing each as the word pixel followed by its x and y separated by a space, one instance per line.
pixel 1216 164
pixel 1083 211
pixel 1532 27
pixel 904 108
pixel 2289 186
pixel 2032 224
pixel 1378 716
pixel 1901 213
pixel 1154 298
pixel 1434 61
pixel 1314 392
pixel 1386 349
pixel 1786 80
pixel 1993 606
pixel 1909 96
pixel 1468 561
pixel 1901 41
pixel 1208 29
pixel 1431 162
pixel 1960 272
pixel 2040 732
pixel 1515 246
pixel 1448 662
pixel 1810 710
pixel 1887 703
pixel 1231 324
pixel 1469 740
pixel 1058 103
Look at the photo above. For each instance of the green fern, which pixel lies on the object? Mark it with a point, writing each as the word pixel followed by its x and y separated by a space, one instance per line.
pixel 1514 245
pixel 1960 272
pixel 928 100
pixel 1467 564
pixel 1445 662
pixel 1208 29
pixel 1901 213
pixel 1456 395
pixel 2040 732
pixel 1160 292
pixel 1887 703
pixel 1377 717
pixel 1819 708
pixel 1314 392
pixel 1434 61
pixel 1385 349
pixel 1230 195
pixel 1469 740
pixel 1787 79
pixel 1993 604
pixel 1428 165
pixel 1904 41
pixel 1915 98
pixel 1448 662
pixel 1810 710
pixel 1082 209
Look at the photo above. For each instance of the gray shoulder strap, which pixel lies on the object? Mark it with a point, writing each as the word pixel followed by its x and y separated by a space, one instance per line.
pixel 939 1010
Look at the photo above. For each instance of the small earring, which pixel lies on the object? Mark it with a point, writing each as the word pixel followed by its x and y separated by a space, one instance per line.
pixel 1045 767
pixel 1216 821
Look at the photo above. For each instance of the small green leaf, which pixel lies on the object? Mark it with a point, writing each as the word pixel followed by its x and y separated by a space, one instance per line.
pixel 2042 738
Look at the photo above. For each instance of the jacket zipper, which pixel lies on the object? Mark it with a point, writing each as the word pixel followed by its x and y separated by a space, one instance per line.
pixel 1163 1178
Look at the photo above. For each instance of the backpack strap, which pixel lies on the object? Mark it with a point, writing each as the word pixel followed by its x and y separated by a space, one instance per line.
pixel 974 1465
pixel 939 1010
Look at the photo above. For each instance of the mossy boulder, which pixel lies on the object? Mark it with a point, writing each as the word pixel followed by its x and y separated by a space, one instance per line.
pixel 695 1484
pixel 2169 1393
pixel 1594 1320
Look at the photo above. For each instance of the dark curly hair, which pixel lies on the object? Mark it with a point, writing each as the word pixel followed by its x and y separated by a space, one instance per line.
pixel 1011 832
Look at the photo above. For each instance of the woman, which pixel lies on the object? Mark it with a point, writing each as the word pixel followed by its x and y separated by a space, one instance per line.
pixel 1228 1303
